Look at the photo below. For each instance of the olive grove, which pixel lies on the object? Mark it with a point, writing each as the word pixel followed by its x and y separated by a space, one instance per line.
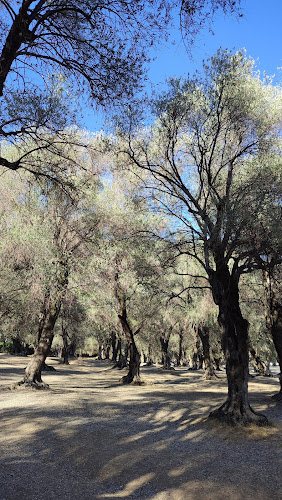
pixel 213 159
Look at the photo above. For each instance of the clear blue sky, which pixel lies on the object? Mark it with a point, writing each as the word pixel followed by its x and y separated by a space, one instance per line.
pixel 259 31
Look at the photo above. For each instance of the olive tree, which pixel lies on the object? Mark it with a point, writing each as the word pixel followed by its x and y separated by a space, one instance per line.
pixel 56 53
pixel 70 223
pixel 212 158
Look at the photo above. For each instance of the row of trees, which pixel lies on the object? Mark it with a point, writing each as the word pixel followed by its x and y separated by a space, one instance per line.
pixel 206 175
pixel 99 249
pixel 156 218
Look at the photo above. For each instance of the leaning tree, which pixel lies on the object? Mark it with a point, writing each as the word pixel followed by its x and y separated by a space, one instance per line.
pixel 71 221
pixel 212 158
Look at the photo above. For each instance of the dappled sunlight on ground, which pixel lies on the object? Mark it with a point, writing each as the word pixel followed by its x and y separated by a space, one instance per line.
pixel 91 437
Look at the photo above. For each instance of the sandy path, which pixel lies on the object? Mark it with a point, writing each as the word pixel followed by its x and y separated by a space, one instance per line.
pixel 90 437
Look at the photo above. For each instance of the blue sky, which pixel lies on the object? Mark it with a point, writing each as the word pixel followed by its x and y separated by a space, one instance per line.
pixel 259 31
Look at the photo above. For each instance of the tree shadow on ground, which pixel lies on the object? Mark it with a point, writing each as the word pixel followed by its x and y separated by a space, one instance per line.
pixel 92 438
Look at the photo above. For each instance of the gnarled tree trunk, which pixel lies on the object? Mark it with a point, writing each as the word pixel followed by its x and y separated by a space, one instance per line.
pixel 273 317
pixel 133 375
pixel 260 366
pixel 276 331
pixel 217 360
pixel 149 360
pixel 204 335
pixel 52 305
pixel 33 370
pixel 180 350
pixel 234 329
pixel 114 346
pixel 122 358
pixel 164 339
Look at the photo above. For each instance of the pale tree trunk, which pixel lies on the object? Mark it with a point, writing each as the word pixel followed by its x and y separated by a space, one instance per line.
pixel 204 335
pixel 234 329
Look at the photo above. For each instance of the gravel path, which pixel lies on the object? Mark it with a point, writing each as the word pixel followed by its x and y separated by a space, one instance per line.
pixel 89 437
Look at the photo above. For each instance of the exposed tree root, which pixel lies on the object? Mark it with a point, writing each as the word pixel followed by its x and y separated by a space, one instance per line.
pixel 208 376
pixel 232 414
pixel 128 379
pixel 24 384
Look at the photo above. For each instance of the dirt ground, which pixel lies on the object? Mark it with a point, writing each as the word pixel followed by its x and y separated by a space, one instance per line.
pixel 90 437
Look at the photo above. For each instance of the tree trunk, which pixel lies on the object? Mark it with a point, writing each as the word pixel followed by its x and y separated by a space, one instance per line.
pixel 217 360
pixel 122 358
pixel 18 347
pixel 52 305
pixel 180 350
pixel 134 365
pixel 261 368
pixel 276 331
pixel 196 354
pixel 165 356
pixel 33 370
pixel 149 361
pixel 204 335
pixel 65 350
pixel 133 375
pixel 273 317
pixel 114 347
pixel 234 329
pixel 101 352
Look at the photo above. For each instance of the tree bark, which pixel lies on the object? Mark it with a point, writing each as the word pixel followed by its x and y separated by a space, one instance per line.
pixel 261 368
pixel 234 329
pixel 164 339
pixel 180 350
pixel 149 361
pixel 122 358
pixel 33 370
pixel 133 375
pixel 273 317
pixel 114 346
pixel 65 350
pixel 276 331
pixel 216 359
pixel 18 34
pixel 204 335
pixel 52 305
pixel 196 353
pixel 101 352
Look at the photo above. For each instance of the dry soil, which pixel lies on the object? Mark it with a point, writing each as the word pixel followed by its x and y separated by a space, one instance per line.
pixel 90 437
